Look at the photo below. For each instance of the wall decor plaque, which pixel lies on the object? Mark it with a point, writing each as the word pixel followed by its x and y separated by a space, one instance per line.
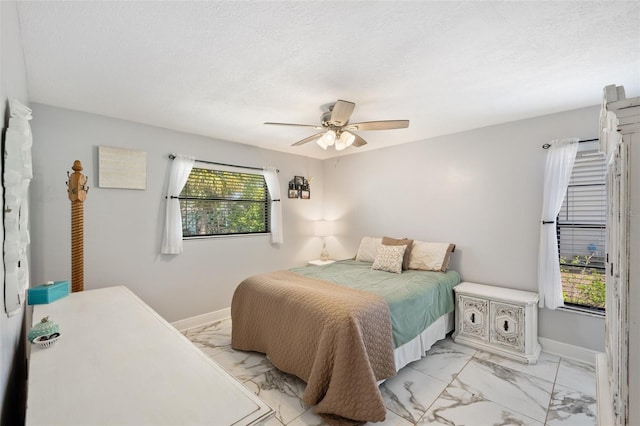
pixel 122 168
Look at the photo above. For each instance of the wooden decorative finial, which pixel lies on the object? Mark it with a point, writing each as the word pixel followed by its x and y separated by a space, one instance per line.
pixel 77 183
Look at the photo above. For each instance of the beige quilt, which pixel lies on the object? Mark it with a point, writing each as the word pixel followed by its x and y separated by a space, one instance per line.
pixel 338 340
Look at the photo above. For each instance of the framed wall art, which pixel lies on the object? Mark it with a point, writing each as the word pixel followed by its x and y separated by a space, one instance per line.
pixel 299 188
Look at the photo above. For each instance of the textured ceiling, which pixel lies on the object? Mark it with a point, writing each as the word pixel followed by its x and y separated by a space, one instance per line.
pixel 221 69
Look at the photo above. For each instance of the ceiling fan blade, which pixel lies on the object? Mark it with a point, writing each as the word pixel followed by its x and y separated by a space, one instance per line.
pixel 295 125
pixel 379 125
pixel 359 141
pixel 309 139
pixel 341 112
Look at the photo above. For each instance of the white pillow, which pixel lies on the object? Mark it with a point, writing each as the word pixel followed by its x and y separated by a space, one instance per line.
pixel 430 256
pixel 389 259
pixel 368 249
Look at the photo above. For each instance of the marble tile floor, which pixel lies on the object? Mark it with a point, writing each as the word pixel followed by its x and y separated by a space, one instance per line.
pixel 452 385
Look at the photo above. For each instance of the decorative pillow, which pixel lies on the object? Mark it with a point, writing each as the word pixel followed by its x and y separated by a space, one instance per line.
pixel 388 241
pixel 368 249
pixel 430 256
pixel 389 258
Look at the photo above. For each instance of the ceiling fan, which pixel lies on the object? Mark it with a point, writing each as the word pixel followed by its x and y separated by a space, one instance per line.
pixel 336 129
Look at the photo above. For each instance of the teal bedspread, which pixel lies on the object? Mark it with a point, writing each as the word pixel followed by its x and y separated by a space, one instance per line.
pixel 416 298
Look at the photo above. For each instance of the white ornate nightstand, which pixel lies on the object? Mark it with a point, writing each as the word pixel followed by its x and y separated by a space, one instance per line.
pixel 498 320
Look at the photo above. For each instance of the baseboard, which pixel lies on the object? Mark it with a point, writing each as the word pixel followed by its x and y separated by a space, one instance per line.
pixel 566 350
pixel 187 323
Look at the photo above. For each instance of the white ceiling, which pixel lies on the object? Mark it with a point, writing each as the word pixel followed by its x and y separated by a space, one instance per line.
pixel 221 69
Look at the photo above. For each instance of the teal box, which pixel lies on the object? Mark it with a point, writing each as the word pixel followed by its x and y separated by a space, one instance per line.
pixel 44 294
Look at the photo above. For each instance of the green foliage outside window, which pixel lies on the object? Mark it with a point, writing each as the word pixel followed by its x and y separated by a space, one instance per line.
pixel 215 202
pixel 582 283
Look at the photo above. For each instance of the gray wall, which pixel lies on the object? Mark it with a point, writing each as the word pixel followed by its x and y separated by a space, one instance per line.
pixel 123 227
pixel 481 190
pixel 12 347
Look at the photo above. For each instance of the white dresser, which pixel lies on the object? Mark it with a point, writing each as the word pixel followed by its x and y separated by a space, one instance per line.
pixel 119 363
pixel 498 320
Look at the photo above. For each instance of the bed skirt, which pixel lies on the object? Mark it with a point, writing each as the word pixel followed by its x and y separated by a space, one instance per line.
pixel 416 348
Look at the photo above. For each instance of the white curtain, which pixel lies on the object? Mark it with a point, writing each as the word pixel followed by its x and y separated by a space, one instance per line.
pixel 560 158
pixel 172 236
pixel 273 185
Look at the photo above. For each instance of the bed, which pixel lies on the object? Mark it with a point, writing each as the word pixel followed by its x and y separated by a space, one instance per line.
pixel 347 326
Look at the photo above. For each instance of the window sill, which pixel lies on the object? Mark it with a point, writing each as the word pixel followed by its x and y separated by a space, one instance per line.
pixel 205 237
pixel 583 311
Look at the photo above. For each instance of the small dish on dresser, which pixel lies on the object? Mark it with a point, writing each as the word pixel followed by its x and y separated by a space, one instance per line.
pixel 46 341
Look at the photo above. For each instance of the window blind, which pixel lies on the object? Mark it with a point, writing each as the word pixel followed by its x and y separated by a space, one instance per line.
pixel 216 202
pixel 581 223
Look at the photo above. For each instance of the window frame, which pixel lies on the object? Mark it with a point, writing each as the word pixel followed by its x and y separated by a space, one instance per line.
pixel 237 171
pixel 588 149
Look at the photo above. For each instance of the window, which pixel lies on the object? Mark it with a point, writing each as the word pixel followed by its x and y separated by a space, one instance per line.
pixel 581 228
pixel 217 202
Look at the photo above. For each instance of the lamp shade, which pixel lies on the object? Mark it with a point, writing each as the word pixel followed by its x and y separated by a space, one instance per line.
pixel 327 139
pixel 324 228
pixel 321 143
pixel 348 138
pixel 345 140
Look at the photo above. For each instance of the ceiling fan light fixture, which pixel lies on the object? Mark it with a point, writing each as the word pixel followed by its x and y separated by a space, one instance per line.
pixel 321 143
pixel 329 137
pixel 347 138
pixel 340 145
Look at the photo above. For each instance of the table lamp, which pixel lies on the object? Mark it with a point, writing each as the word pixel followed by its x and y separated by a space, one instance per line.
pixel 324 228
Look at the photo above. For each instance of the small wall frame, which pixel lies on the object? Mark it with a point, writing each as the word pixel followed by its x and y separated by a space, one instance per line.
pixel 299 188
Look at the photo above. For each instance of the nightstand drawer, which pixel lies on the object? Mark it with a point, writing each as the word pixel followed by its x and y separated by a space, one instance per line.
pixel 475 317
pixel 508 322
